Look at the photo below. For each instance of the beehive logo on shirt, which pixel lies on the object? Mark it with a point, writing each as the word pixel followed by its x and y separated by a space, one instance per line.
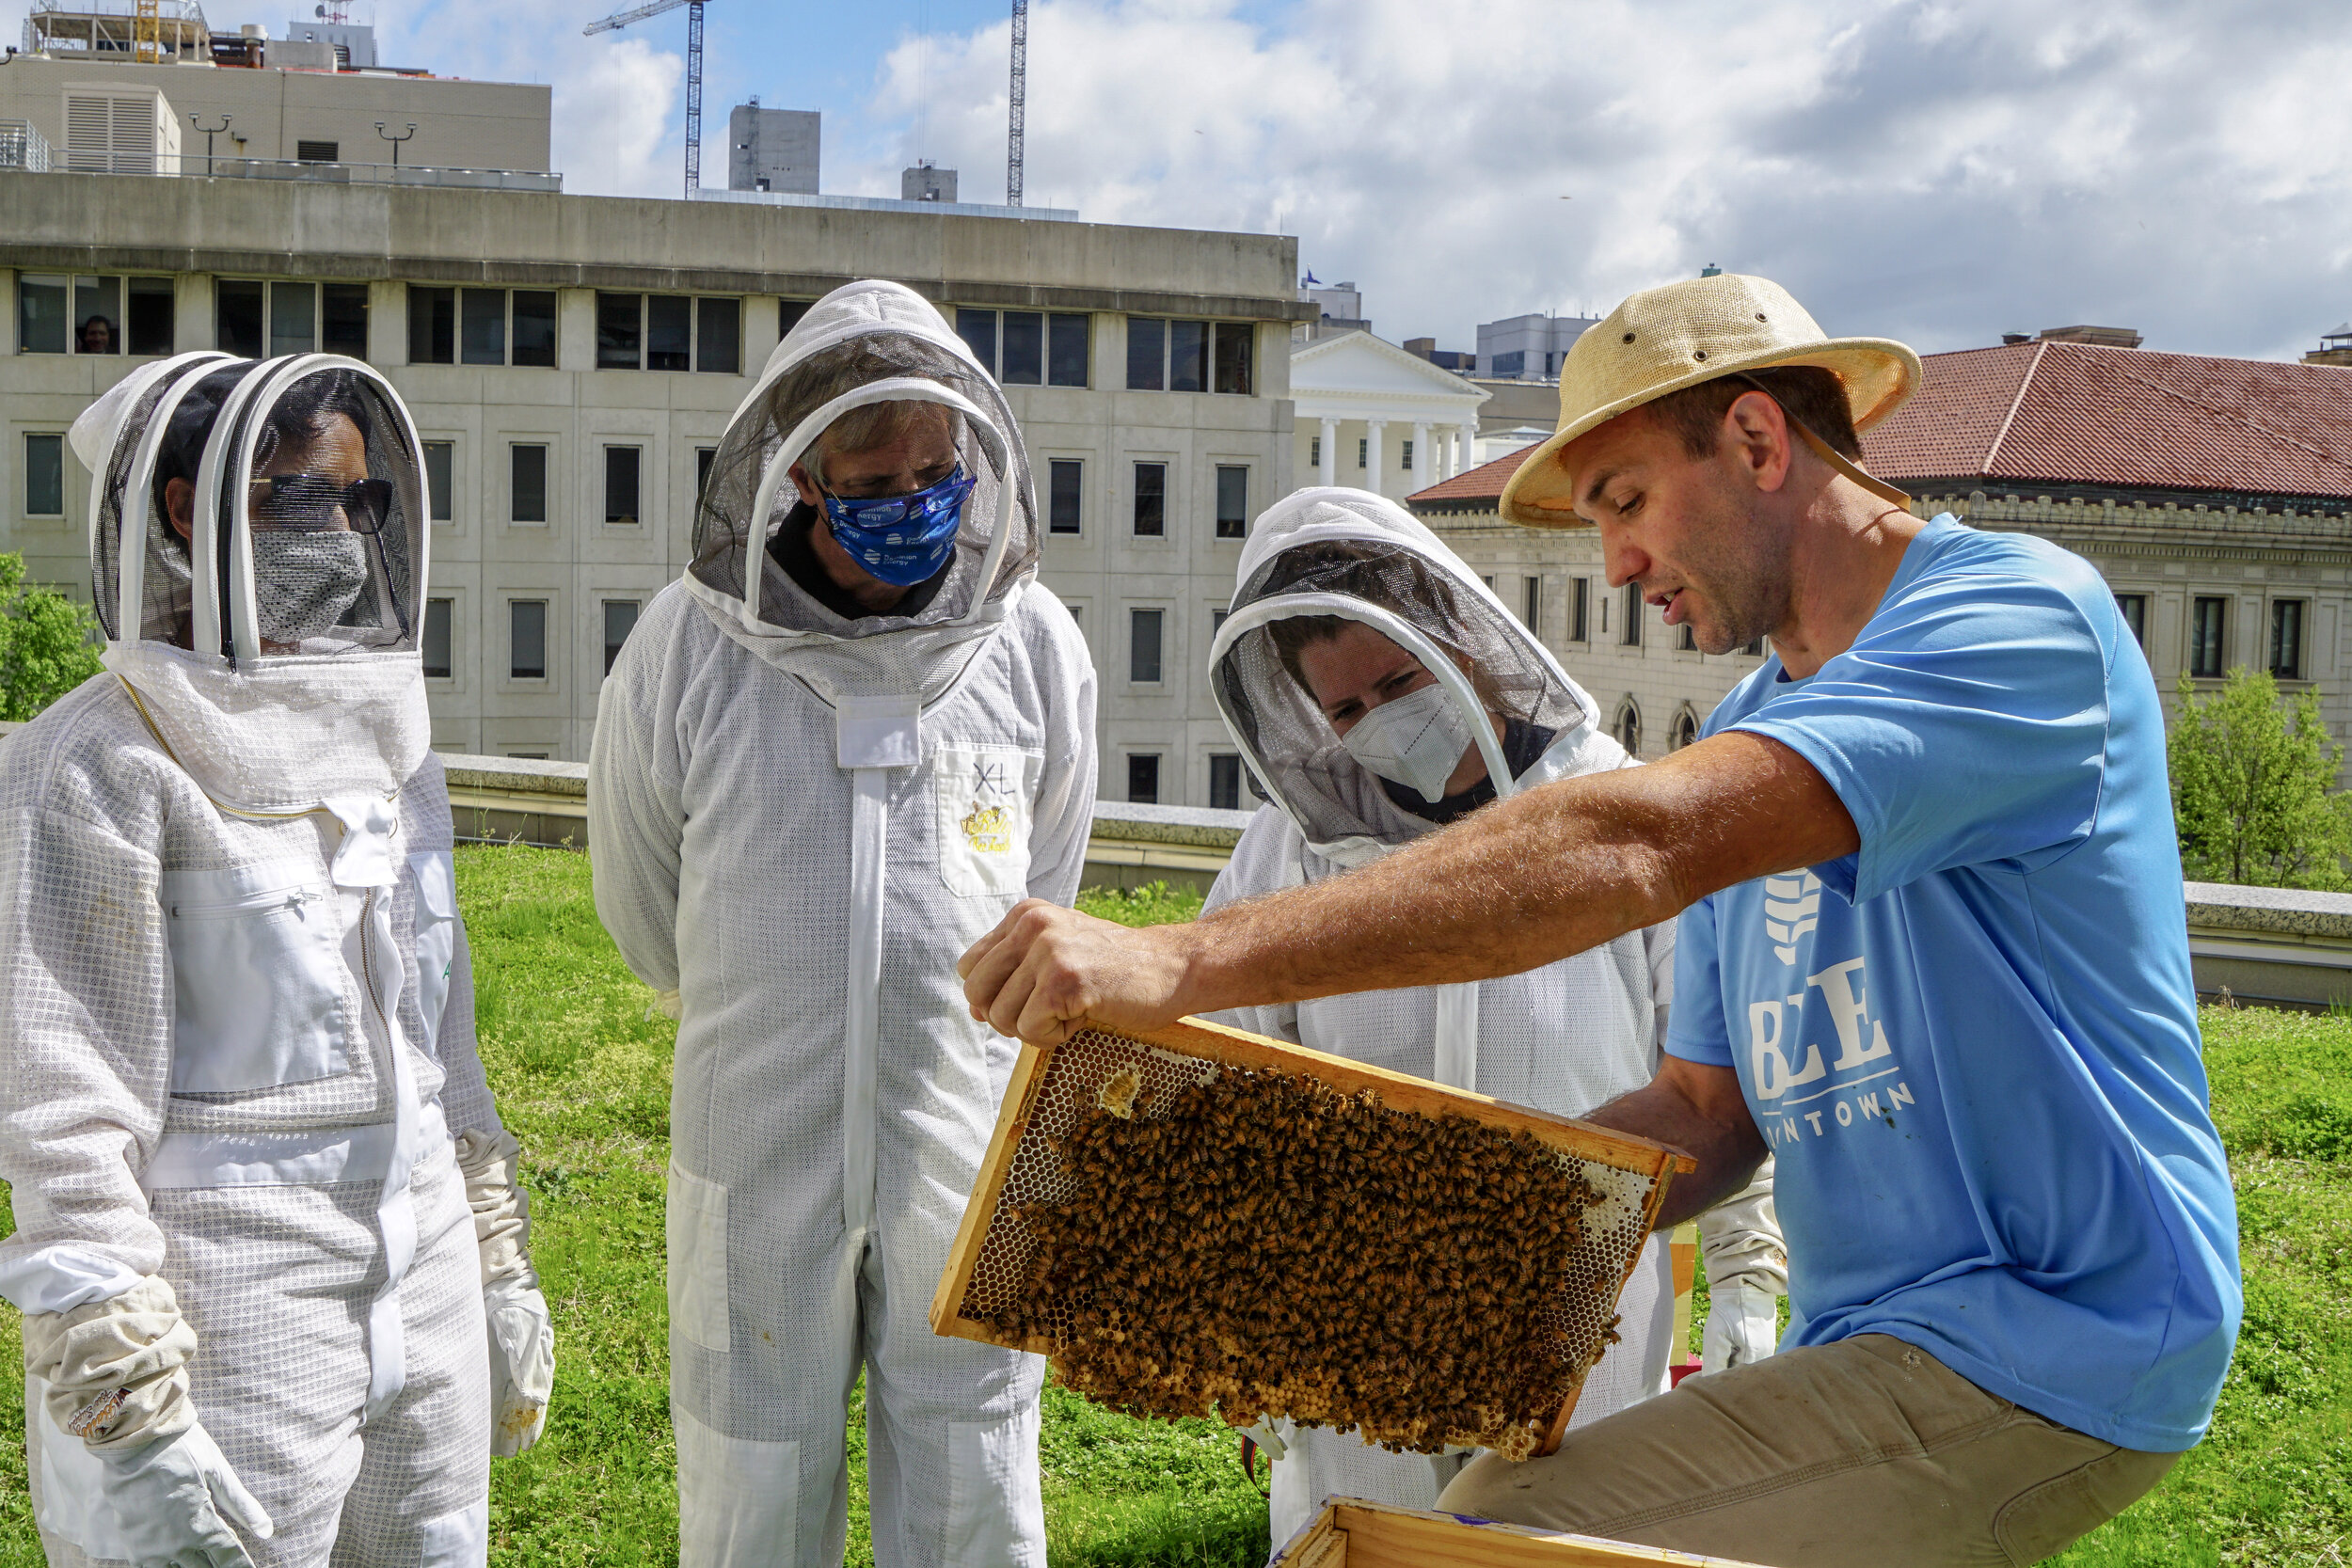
pixel 1792 907
pixel 988 828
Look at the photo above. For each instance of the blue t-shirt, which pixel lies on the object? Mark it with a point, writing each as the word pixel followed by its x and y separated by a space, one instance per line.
pixel 1975 1056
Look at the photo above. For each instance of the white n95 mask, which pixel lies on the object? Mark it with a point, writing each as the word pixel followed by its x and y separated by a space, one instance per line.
pixel 1416 740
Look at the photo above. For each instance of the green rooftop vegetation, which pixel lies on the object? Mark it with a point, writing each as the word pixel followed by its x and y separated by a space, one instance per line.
pixel 581 1067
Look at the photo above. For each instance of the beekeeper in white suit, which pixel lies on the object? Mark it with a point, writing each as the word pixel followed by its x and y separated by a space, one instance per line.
pixel 1380 691
pixel 262 1196
pixel 837 751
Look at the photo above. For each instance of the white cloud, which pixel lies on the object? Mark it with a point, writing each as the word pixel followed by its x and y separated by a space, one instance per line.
pixel 1932 170
pixel 616 111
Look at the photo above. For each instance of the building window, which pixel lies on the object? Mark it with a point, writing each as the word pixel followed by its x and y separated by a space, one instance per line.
pixel 432 324
pixel 1580 603
pixel 1363 451
pixel 1686 730
pixel 482 327
pixel 2206 622
pixel 1314 451
pixel 1533 614
pixel 92 315
pixel 620 465
pixel 2286 638
pixel 703 458
pixel 255 320
pixel 528 489
pixel 1237 348
pixel 1027 348
pixel 527 639
pixel 1752 647
pixel 436 659
pixel 620 618
pixel 1685 639
pixel 1189 355
pixel 1065 488
pixel 719 335
pixel 1216 623
pixel 1404 455
pixel 1225 782
pixel 1629 632
pixel 1232 501
pixel 2134 609
pixel 318 152
pixel 440 477
pixel 1143 779
pixel 44 475
pixel 788 314
pixel 1150 501
pixel 1512 365
pixel 344 320
pixel 658 332
pixel 1627 727
pixel 1143 645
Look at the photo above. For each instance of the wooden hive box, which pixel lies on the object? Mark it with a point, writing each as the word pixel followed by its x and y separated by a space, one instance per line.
pixel 1053 1086
pixel 1351 1533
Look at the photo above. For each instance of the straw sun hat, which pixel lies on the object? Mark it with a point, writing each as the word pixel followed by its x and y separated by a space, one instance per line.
pixel 1663 340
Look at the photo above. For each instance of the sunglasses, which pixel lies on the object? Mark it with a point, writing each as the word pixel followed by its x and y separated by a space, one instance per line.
pixel 311 500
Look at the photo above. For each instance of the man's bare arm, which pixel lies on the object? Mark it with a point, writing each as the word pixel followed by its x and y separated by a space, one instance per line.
pixel 1701 1111
pixel 1517 886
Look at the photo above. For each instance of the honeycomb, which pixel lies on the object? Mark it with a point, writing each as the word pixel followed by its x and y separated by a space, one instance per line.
pixel 1186 1239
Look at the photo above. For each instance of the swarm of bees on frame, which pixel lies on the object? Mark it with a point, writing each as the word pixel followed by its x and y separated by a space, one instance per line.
pixel 1261 1245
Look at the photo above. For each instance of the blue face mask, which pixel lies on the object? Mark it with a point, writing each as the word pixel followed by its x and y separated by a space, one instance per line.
pixel 902 540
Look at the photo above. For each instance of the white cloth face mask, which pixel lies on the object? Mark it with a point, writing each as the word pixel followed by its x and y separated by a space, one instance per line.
pixel 1416 740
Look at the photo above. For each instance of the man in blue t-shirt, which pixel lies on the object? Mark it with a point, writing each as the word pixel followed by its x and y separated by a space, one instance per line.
pixel 1932 957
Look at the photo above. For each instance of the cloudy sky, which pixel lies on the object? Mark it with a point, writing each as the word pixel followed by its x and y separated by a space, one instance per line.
pixel 1936 171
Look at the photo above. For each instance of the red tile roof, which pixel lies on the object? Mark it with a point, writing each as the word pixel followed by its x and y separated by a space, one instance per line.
pixel 1482 484
pixel 2076 414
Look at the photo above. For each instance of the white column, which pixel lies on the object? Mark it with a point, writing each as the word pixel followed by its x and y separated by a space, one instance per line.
pixel 1376 469
pixel 1328 471
pixel 1422 466
pixel 1467 434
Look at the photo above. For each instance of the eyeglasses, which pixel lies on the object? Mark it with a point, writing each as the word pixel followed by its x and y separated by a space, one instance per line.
pixel 310 501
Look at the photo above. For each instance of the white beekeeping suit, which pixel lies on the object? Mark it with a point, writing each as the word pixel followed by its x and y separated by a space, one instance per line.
pixel 236 1023
pixel 799 821
pixel 1564 1038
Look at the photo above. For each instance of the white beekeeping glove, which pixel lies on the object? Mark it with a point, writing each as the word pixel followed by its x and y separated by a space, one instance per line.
pixel 173 1501
pixel 113 1374
pixel 1747 1273
pixel 522 1334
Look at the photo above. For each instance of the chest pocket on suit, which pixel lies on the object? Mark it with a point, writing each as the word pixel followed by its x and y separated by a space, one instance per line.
pixel 258 979
pixel 435 873
pixel 986 795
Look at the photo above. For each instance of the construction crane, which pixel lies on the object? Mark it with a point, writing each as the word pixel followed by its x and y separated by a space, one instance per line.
pixel 1020 101
pixel 147 34
pixel 693 72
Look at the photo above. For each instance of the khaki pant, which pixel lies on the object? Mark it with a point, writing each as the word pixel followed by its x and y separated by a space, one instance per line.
pixel 1865 1452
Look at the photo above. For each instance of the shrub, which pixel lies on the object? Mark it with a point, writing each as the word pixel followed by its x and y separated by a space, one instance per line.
pixel 47 642
pixel 2252 787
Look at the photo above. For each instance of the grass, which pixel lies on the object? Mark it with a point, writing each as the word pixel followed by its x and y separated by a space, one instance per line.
pixel 582 1075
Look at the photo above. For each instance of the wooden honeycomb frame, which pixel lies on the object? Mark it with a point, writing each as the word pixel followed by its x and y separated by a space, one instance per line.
pixel 1350 1532
pixel 1050 1084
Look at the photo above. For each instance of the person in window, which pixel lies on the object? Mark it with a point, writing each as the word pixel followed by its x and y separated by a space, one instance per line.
pixel 1381 691
pixel 98 336
pixel 279 1302
pixel 852 737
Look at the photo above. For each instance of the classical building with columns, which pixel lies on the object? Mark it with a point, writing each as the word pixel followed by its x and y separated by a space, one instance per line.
pixel 1373 416
pixel 2214 494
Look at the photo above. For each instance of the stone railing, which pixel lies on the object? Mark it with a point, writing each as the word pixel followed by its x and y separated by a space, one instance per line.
pixel 2256 943
pixel 514 799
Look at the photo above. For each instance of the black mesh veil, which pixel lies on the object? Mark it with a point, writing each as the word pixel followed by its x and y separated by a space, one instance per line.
pixel 118 440
pixel 731 529
pixel 1349 555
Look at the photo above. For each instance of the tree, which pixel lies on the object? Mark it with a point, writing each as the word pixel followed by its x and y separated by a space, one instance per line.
pixel 2252 787
pixel 47 642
